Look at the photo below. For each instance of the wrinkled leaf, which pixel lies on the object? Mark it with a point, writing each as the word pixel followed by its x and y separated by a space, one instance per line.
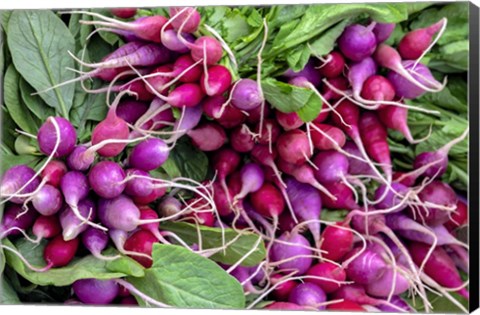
pixel 188 161
pixel 80 268
pixel 181 278
pixel 34 103
pixel 39 42
pixel 212 238
pixel 454 55
pixel 13 101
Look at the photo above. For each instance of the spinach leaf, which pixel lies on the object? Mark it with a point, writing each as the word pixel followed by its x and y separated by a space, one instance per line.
pixel 288 98
pixel 212 238
pixel 9 161
pixel 34 103
pixel 17 110
pixel 186 160
pixel 125 265
pixel 4 18
pixel 39 42
pixel 453 56
pixel 7 132
pixel 79 268
pixel 7 293
pixel 181 278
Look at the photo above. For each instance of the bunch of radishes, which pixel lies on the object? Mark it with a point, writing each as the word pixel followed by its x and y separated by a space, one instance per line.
pixel 274 173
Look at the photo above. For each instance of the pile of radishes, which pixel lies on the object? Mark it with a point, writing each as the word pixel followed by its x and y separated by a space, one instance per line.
pixel 273 172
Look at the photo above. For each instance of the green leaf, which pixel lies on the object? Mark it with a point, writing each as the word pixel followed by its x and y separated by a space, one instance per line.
pixel 34 103
pixel 440 304
pixel 333 215
pixel 298 58
pixel 7 294
pixel 188 161
pixel 7 132
pixel 454 55
pixel 181 278
pixel 125 265
pixel 80 268
pixel 4 18
pixel 9 161
pixel 17 110
pixel 453 97
pixel 325 43
pixel 288 98
pixel 39 42
pixel 212 238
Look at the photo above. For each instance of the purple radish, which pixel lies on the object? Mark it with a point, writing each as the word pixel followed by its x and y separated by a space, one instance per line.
pixel 357 42
pixel 48 137
pixel 149 154
pixel 19 179
pixel 208 136
pixel 246 95
pixel 252 178
pixel 71 225
pixel 107 179
pixel 308 294
pixel 79 160
pixel 383 31
pixel 96 291
pixel 292 253
pixel 48 200
pixel 12 223
pixel 140 186
pixel 46 227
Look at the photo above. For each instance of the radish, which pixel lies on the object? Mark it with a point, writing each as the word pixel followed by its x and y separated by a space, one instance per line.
pixel 367 267
pixel 282 291
pixel 336 241
pixel 438 201
pixel 241 139
pixel 395 117
pixel 124 13
pixel 382 287
pixel 459 217
pixel 141 242
pixel 59 253
pixel 208 136
pixel 377 88
pixel 225 161
pixel 308 294
pixel 71 225
pixel 148 155
pixel 218 108
pixel 415 43
pixel 169 206
pixel 18 180
pixel 283 306
pixel 46 227
pixel 291 253
pixel 383 31
pixel 293 147
pixel 171 39
pixel 357 42
pixel 268 201
pixel 48 200
pixel 16 220
pixel 342 196
pixel 216 80
pixel 47 137
pixel 186 62
pixel 263 155
pixel 107 179
pixel 186 19
pixel 53 172
pixel 95 291
pixel 321 142
pixel 246 95
pixel 397 301
pixel 333 67
pixel 252 178
pixel 345 305
pixel 326 270
pixel 269 133
pixel 288 121
pixel 96 241
pixel 439 266
pixel 79 159
pixel 140 186
pixel 309 72
pixel 339 84
pixel 131 110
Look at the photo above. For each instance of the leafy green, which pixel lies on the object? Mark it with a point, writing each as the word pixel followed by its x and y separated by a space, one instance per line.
pixel 453 56
pixel 79 268
pixel 212 238
pixel 181 278
pixel 9 161
pixel 440 304
pixel 333 215
pixel 7 293
pixel 39 42
pixel 288 98
pixel 34 103
pixel 125 265
pixel 7 132
pixel 325 43
pixel 17 110
pixel 186 160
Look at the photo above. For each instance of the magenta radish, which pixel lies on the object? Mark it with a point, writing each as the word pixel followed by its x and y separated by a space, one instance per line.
pixel 71 225
pixel 292 254
pixel 282 291
pixel 346 305
pixel 438 202
pixel 257 113
pixel 227 116
pixel 216 80
pixel 395 117
pixel 59 253
pixel 399 303
pixel 171 39
pixel 156 193
pixel 288 121
pixel 438 160
pixel 15 219
pixel 183 63
pixel 207 48
pixel 96 291
pixel 268 201
pixel 309 72
pixel 107 179
pixel 339 83
pixel 293 147
pixel 18 180
pixel 269 133
pixel 208 137
pixel 306 204
pixel 124 13
pixel 393 198
pixel 53 172
pixel 141 242
pixel 246 95
pixel 282 306
pixel 383 31
pixel 308 294
pixel 111 128
pixel 459 217
pixel 96 241
pixel 322 142
pixel 46 227
pixel 439 266
pixel 413 44
pixel 131 110
pixel 79 159
pixel 374 137
pixel 138 184
pixel 187 19
pixel 149 154
pixel 343 194
pixel 334 65
pixel 357 42
pixel 48 200
pixel 329 271
pixel 331 167
pixel 382 287
pixel 156 81
pixel 263 155
pixel 48 137
pixel 356 166
pixel 336 241
pixel 221 199
pixel 378 88
pixel 149 214
pixel 252 178
pixel 367 267
pixel 241 139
